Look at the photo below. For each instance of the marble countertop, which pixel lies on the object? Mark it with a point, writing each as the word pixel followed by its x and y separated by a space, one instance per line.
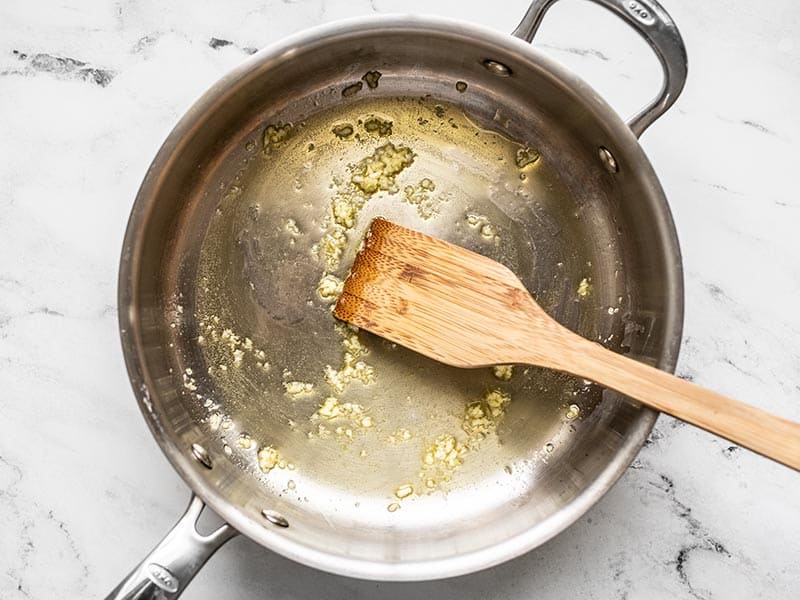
pixel 88 91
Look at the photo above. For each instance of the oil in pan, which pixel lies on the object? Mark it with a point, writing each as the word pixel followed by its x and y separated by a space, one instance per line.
pixel 304 402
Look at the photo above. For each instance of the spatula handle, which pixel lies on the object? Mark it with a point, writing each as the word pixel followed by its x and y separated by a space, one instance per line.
pixel 753 428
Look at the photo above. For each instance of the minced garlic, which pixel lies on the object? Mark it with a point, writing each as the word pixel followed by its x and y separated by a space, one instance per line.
pixel 331 408
pixel 291 227
pixel 488 231
pixel 446 452
pixel 378 172
pixel 473 220
pixel 503 372
pixel 477 423
pixel 345 208
pixel 222 340
pixel 421 197
pixel 214 421
pixel 329 287
pixel 584 288
pixel 268 458
pixel 497 401
pixel 353 369
pixel 189 382
pixel 330 248
pixel 484 226
pixel 245 441
pixel 297 388
pixel 482 417
pixel 376 125
pixel 351 342
pixel 275 135
pixel 401 435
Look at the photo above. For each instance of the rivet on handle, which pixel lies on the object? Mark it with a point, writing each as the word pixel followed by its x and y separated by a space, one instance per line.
pixel 611 164
pixel 497 68
pixel 201 456
pixel 275 518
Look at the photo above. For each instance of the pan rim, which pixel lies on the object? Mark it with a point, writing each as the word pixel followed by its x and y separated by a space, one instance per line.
pixel 188 469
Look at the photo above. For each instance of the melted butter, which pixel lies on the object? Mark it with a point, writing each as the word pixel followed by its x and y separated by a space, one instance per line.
pixel 412 161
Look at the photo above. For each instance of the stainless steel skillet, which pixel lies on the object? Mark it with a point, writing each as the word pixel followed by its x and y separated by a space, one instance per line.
pixel 255 205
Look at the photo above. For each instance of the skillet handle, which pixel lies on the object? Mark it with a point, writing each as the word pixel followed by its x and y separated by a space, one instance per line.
pixel 649 19
pixel 171 565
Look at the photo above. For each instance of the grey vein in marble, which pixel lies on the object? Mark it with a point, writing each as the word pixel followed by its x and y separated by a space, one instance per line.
pixel 60 66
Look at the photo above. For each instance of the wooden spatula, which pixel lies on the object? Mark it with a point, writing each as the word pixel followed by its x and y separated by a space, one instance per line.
pixel 466 310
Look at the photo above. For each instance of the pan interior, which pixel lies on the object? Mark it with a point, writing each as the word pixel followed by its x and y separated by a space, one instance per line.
pixel 374 425
pixel 370 451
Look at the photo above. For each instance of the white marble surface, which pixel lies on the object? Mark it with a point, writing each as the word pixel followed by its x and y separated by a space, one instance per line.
pixel 84 490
